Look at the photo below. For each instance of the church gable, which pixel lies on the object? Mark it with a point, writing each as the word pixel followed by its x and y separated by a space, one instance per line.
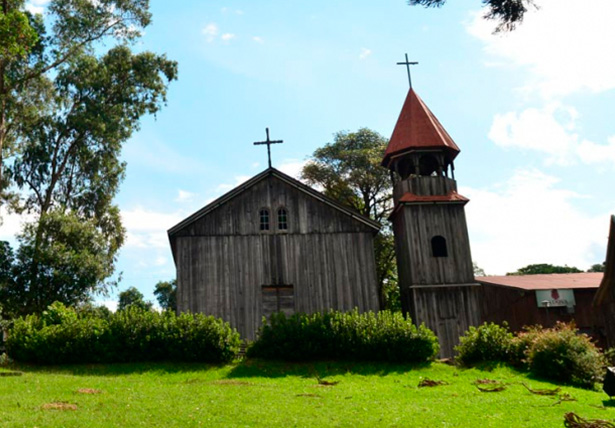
pixel 273 202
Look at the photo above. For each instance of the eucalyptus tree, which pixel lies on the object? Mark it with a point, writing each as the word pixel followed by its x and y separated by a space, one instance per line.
pixel 72 91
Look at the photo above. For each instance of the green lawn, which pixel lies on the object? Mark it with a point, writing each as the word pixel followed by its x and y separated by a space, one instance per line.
pixel 278 394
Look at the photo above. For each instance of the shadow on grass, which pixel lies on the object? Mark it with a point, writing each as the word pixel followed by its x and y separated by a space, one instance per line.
pixel 608 403
pixel 241 369
pixel 115 369
pixel 276 369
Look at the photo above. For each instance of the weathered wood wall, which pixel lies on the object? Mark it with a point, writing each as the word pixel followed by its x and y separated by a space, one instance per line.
pixel 223 260
pixel 519 309
pixel 448 310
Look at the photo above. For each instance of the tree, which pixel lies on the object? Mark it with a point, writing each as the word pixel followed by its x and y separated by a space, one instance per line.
pixel 544 268
pixel 67 105
pixel 30 59
pixel 132 297
pixel 598 267
pixel 72 260
pixel 166 294
pixel 509 13
pixel 478 271
pixel 349 171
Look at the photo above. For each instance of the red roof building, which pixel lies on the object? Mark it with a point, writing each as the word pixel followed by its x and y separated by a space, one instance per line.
pixel 524 300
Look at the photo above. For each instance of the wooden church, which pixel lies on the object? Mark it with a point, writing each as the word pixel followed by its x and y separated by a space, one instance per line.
pixel 274 244
pixel 434 263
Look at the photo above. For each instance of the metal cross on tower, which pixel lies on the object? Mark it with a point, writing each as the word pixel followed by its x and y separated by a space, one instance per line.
pixel 269 143
pixel 408 64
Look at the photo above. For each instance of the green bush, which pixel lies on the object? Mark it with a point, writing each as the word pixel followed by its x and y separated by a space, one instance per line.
pixel 522 343
pixel 487 342
pixel 382 336
pixel 63 335
pixel 562 354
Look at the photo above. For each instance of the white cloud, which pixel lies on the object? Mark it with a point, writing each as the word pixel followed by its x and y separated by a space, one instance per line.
pixel 365 53
pixel 551 131
pixel 110 304
pixel 12 224
pixel 147 229
pixel 566 45
pixel 227 37
pixel 184 196
pixel 258 39
pixel 590 152
pixel 210 31
pixel 529 219
pixel 292 167
pixel 36 6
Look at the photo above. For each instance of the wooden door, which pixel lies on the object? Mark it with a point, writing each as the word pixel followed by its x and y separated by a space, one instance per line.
pixel 278 299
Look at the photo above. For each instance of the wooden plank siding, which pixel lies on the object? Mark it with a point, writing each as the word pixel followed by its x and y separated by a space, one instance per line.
pixel 519 309
pixel 439 291
pixel 223 260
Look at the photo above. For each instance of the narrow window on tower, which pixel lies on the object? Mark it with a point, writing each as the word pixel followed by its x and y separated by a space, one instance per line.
pixel 264 219
pixel 282 219
pixel 438 246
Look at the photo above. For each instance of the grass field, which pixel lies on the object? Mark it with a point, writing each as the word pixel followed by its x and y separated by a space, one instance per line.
pixel 255 393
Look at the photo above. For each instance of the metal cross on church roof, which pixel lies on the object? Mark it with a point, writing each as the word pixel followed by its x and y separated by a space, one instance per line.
pixel 269 143
pixel 408 64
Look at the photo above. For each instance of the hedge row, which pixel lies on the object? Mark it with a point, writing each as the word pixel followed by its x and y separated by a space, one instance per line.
pixel 559 353
pixel 62 335
pixel 382 336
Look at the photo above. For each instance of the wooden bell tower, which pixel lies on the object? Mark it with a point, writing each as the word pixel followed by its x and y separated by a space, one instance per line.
pixel 431 235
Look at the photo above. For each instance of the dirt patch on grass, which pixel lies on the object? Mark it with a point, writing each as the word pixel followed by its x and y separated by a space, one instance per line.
pixel 231 382
pixel 89 391
pixel 309 395
pixel 430 383
pixel 59 405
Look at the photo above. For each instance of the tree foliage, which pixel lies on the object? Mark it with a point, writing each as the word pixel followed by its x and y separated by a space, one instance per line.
pixel 597 267
pixel 72 259
pixel 131 297
pixel 544 268
pixel 349 171
pixel 509 13
pixel 166 294
pixel 71 93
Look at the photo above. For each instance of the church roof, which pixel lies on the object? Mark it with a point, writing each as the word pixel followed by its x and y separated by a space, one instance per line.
pixel 418 128
pixel 606 293
pixel 288 180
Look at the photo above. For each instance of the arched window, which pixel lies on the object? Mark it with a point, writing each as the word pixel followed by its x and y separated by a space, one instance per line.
pixel 264 219
pixel 438 246
pixel 282 219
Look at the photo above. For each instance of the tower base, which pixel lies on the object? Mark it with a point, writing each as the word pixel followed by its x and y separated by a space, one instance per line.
pixel 449 310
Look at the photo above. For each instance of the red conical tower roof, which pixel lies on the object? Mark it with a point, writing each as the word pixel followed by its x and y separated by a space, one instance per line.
pixel 418 128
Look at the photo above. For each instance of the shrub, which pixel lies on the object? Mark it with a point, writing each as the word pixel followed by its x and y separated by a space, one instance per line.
pixel 487 342
pixel 62 335
pixel 564 355
pixel 522 343
pixel 382 336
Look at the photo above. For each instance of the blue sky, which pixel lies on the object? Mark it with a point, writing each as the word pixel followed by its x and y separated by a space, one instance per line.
pixel 532 112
